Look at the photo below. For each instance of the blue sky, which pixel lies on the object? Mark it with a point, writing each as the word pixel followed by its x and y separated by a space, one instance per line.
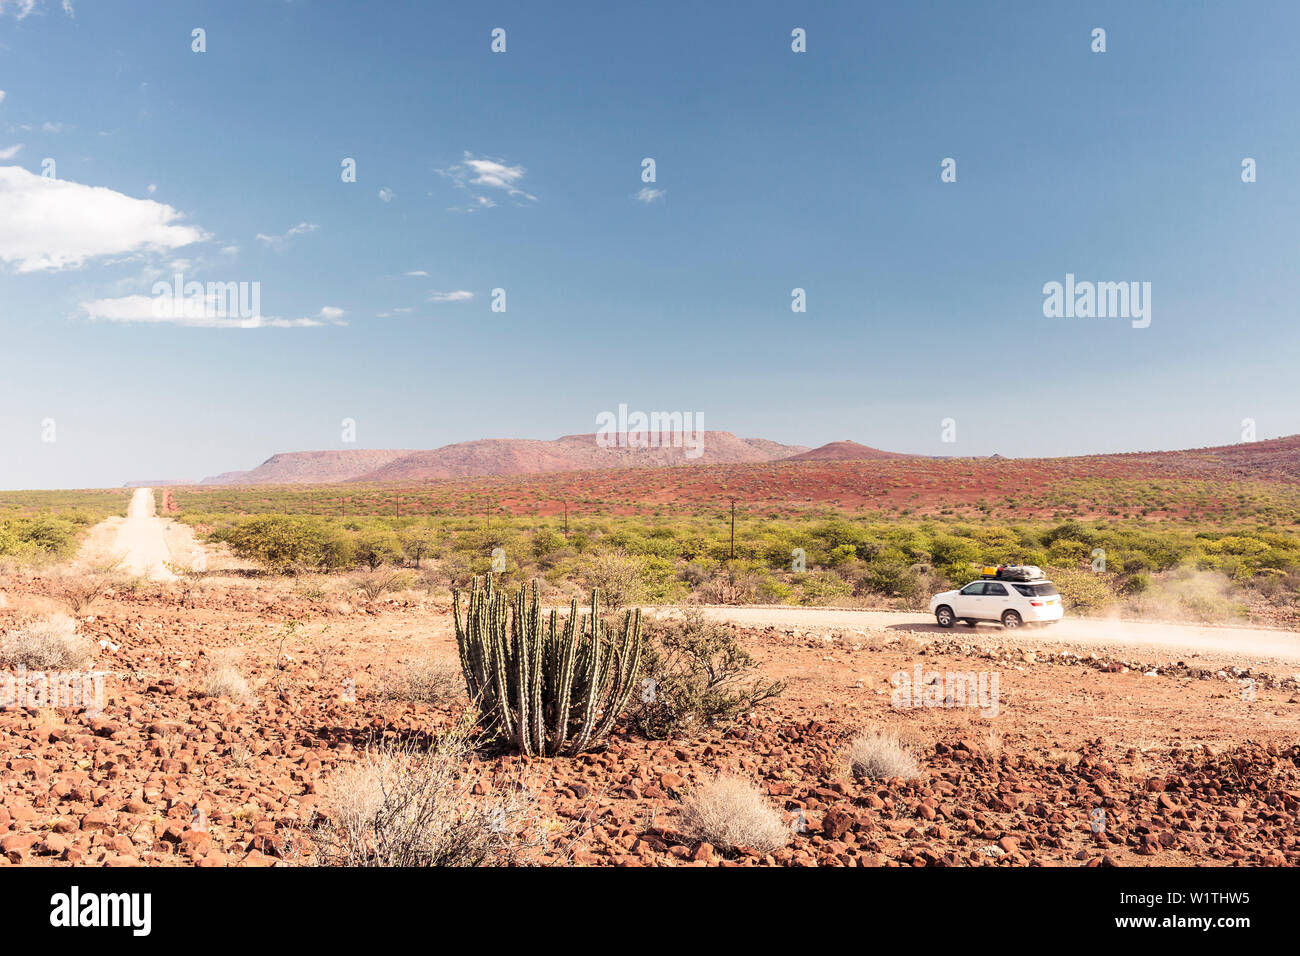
pixel 521 171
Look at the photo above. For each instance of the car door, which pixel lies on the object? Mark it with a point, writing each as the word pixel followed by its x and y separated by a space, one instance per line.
pixel 968 600
pixel 996 600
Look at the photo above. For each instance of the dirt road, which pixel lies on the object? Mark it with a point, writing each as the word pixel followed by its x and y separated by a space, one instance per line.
pixel 1170 641
pixel 142 543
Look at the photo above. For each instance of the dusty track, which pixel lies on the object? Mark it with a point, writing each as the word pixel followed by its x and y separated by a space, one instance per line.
pixel 1252 645
pixel 142 543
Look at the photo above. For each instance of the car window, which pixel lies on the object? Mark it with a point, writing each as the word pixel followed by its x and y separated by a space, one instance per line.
pixel 1046 589
pixel 997 590
pixel 975 587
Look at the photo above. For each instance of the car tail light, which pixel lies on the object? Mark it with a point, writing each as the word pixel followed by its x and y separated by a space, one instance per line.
pixel 1035 603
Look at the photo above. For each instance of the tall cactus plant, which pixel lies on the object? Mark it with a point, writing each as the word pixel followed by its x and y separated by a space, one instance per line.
pixel 550 689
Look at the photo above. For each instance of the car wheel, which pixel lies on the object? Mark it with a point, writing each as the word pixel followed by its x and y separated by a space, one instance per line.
pixel 1011 619
pixel 968 622
pixel 943 614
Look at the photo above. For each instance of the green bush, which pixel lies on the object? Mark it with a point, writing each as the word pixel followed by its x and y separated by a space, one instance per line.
pixel 285 542
pixel 695 673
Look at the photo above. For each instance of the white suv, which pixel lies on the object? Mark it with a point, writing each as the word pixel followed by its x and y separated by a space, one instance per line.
pixel 1011 603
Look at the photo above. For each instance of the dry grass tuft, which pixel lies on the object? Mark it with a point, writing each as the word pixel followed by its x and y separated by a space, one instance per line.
pixel 51 643
pixel 731 812
pixel 224 680
pixel 992 744
pixel 375 584
pixel 402 806
pixel 423 682
pixel 879 755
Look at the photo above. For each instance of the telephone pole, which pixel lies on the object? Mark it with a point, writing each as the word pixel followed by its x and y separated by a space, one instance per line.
pixel 733 531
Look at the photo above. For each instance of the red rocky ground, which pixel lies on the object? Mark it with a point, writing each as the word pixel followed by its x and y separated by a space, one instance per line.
pixel 1187 771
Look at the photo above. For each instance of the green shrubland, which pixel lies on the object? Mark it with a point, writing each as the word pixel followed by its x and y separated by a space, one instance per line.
pixel 824 559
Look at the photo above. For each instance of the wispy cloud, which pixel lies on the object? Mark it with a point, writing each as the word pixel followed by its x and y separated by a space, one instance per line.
pixel 48 127
pixel 59 224
pixel 2 96
pixel 280 241
pixel 21 8
pixel 197 313
pixel 460 295
pixel 387 195
pixel 417 272
pixel 648 195
pixel 10 152
pixel 480 177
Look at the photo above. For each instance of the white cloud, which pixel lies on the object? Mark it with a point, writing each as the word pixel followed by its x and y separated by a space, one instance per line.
pixel 19 8
pixel 417 272
pixel 279 242
pixel 197 313
pixel 460 295
pixel 152 188
pixel 48 127
pixel 648 195
pixel 2 96
pixel 476 176
pixel 386 194
pixel 11 152
pixel 58 224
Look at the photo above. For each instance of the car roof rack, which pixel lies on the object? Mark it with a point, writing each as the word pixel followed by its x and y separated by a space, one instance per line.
pixel 1012 572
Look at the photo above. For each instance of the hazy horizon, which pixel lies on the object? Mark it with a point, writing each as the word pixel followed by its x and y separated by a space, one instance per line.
pixel 195 479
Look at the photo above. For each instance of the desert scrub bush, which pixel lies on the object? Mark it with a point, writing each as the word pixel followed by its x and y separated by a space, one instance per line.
pixel 378 546
pixel 51 643
pixel 891 574
pixel 821 588
pixel 78 591
pixel 224 680
pixel 39 538
pixel 619 577
pixel 696 674
pixel 403 806
pixel 730 812
pixel 286 543
pixel 422 682
pixel 880 755
pixel 1083 590
pixel 375 584
pixel 547 690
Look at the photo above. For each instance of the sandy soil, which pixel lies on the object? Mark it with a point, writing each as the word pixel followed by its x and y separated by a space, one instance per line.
pixel 141 544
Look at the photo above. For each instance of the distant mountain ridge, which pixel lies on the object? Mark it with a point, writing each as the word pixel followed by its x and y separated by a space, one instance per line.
pixel 847 451
pixel 510 456
pixel 1276 458
pixel 310 467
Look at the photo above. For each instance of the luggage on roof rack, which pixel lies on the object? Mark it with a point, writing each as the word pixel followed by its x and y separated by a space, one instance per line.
pixel 1014 572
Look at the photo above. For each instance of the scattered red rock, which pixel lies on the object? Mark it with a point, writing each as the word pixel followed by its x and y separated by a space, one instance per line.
pixel 1096 766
